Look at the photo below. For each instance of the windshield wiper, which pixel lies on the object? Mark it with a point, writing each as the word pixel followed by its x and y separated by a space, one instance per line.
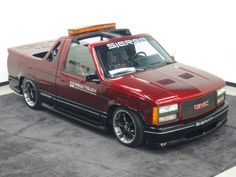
pixel 157 63
pixel 139 69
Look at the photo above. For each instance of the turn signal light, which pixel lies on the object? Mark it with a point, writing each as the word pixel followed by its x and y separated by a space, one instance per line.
pixel 155 115
pixel 91 28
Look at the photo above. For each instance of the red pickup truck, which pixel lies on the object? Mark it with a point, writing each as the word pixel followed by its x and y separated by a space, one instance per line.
pixel 106 77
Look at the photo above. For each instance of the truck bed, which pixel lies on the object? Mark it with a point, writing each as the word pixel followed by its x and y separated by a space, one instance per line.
pixel 27 59
pixel 38 49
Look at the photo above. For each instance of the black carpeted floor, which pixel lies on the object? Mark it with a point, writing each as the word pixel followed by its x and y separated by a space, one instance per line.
pixel 44 144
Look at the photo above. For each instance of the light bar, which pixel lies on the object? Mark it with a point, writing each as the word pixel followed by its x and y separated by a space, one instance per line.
pixel 91 28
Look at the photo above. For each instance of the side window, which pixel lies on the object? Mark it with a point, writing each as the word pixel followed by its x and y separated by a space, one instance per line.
pixel 53 54
pixel 79 61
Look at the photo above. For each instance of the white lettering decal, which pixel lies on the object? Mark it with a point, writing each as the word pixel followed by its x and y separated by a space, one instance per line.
pixel 111 46
pixel 72 84
pixel 204 121
pixel 83 88
pixel 121 43
pixel 125 43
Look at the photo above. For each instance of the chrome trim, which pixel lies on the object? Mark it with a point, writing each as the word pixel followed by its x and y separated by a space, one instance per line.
pixel 198 136
pixel 170 131
pixel 190 126
pixel 104 116
pixel 72 117
pixel 28 96
pixel 117 128
pixel 77 106
pixel 74 104
pixel 221 112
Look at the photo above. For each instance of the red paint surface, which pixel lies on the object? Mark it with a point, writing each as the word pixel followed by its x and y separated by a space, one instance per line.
pixel 139 91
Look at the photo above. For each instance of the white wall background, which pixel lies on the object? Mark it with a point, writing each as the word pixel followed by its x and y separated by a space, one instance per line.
pixel 200 33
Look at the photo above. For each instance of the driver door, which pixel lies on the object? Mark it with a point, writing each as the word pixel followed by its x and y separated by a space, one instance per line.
pixel 75 94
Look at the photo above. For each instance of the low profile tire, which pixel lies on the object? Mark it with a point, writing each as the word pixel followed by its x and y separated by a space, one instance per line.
pixel 128 127
pixel 31 94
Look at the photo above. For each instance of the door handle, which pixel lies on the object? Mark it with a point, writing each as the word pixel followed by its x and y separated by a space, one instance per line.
pixel 62 77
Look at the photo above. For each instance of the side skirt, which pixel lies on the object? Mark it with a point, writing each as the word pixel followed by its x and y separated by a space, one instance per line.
pixel 76 117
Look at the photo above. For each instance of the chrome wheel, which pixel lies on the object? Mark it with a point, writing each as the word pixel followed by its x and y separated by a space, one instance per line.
pixel 29 93
pixel 124 126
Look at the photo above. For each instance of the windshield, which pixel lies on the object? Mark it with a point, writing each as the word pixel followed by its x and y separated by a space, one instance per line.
pixel 132 55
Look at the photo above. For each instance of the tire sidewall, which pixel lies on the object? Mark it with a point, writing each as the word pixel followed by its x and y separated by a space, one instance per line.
pixel 37 105
pixel 138 124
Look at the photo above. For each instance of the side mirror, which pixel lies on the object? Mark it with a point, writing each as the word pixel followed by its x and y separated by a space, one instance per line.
pixel 93 78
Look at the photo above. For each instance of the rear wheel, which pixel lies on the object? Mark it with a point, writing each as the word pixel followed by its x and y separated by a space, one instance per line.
pixel 31 94
pixel 128 127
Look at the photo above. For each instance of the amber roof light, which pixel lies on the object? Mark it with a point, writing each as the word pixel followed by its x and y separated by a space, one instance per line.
pixel 93 28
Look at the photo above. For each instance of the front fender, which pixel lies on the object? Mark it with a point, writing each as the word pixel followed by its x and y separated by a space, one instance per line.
pixel 141 106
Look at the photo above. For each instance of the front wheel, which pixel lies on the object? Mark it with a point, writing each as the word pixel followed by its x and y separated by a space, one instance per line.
pixel 31 94
pixel 128 127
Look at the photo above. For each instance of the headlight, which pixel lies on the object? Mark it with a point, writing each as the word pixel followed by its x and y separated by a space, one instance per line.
pixel 169 108
pixel 167 118
pixel 221 95
pixel 164 113
pixel 221 91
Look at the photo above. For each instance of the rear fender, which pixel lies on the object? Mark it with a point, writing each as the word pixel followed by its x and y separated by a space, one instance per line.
pixel 22 77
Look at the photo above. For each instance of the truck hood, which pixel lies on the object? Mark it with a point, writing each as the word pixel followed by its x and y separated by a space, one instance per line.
pixel 171 82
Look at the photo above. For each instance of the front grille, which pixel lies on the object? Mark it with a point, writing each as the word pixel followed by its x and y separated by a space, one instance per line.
pixel 191 108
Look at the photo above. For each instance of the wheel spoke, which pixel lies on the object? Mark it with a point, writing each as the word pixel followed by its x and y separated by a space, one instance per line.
pixel 130 134
pixel 124 127
pixel 130 124
pixel 124 118
pixel 121 125
pixel 29 93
